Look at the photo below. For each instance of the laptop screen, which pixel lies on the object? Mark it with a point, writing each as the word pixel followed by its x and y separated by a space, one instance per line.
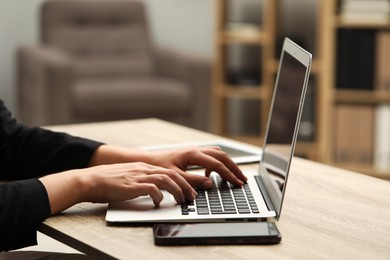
pixel 285 113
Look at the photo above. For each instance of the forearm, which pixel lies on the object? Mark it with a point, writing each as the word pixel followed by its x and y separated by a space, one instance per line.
pixel 68 188
pixel 108 154
pixel 65 189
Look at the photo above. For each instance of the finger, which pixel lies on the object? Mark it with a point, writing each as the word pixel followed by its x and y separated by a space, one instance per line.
pixel 226 160
pixel 148 189
pixel 165 182
pixel 219 162
pixel 213 147
pixel 186 187
pixel 197 181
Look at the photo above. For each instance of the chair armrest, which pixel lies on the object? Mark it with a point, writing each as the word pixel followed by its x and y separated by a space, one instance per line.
pixel 44 79
pixel 194 70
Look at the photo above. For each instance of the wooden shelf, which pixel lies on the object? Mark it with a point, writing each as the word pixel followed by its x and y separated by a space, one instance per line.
pixel 228 34
pixel 327 96
pixel 362 24
pixel 245 92
pixel 315 67
pixel 332 96
pixel 362 96
pixel 263 36
pixel 323 67
pixel 248 35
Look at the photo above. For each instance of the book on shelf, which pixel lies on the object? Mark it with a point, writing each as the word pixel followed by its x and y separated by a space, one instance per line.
pixel 364 116
pixel 355 59
pixel 367 11
pixel 382 138
pixel 354 134
pixel 343 135
pixel 383 61
pixel 366 5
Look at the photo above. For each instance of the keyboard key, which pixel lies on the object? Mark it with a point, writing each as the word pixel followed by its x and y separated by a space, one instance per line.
pixel 244 211
pixel 203 211
pixel 223 198
pixel 223 212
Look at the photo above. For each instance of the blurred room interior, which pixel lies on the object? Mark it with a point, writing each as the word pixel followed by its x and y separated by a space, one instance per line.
pixel 98 61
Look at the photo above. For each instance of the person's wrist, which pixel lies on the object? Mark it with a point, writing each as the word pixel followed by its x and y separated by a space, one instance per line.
pixel 84 183
pixel 65 189
pixel 108 154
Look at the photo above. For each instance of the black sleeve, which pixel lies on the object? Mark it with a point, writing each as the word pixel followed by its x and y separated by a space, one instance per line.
pixel 33 152
pixel 25 154
pixel 23 205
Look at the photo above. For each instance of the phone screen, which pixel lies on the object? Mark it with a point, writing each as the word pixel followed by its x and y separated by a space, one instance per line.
pixel 217 233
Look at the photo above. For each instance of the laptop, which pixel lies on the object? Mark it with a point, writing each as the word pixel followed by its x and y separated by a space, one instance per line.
pixel 261 198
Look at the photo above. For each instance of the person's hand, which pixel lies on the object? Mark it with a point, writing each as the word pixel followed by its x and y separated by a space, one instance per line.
pixel 211 158
pixel 115 182
pixel 118 174
pixel 118 182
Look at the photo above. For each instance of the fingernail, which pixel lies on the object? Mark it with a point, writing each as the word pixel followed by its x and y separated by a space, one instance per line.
pixel 240 184
pixel 194 195
pixel 207 184
pixel 156 203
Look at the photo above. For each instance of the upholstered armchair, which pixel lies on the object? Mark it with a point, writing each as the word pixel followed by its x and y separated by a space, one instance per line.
pixel 96 62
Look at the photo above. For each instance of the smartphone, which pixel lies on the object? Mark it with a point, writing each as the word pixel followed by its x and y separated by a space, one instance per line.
pixel 229 233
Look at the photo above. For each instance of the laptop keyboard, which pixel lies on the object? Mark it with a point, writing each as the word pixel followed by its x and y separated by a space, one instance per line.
pixel 222 198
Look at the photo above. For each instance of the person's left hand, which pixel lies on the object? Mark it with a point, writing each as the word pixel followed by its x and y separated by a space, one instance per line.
pixel 211 158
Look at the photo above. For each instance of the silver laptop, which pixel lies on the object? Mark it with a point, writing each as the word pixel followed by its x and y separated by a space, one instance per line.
pixel 261 198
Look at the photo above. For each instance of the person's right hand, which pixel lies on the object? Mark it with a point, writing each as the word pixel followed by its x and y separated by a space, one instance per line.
pixel 117 182
pixel 114 182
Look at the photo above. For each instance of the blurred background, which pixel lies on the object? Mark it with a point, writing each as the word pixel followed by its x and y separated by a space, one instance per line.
pixel 209 65
pixel 181 24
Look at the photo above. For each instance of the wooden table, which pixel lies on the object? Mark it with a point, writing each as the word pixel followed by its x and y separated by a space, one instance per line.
pixel 328 212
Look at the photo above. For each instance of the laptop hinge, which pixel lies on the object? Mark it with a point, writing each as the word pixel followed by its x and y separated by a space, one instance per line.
pixel 264 192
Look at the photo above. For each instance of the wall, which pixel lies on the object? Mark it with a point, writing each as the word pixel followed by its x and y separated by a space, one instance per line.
pixel 185 24
pixel 17 25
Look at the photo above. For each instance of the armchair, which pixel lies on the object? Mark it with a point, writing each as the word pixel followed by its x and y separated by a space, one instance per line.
pixel 97 63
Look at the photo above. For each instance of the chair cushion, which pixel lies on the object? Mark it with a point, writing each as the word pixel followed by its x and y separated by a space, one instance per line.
pixel 127 98
pixel 104 37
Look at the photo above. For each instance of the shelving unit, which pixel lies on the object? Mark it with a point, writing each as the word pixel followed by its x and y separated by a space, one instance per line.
pixel 334 96
pixel 265 37
pixel 230 34
pixel 327 95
